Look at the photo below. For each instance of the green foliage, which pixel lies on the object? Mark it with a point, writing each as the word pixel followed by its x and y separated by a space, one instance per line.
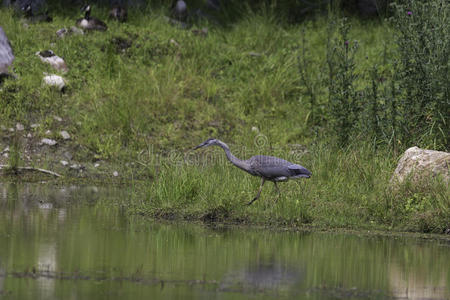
pixel 423 40
pixel 343 98
pixel 347 92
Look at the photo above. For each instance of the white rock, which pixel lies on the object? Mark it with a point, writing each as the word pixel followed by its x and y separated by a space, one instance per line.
pixel 96 165
pixel 19 127
pixel 55 80
pixel 255 129
pixel 55 61
pixel 48 132
pixel 75 167
pixel 64 163
pixel 61 32
pixel 76 30
pixel 6 149
pixel 115 173
pixel 420 164
pixel 173 42
pixel 11 129
pixel 29 135
pixel 49 142
pixel 59 119
pixel 65 135
pixel 35 125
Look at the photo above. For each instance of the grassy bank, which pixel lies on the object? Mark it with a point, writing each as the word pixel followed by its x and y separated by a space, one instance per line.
pixel 348 189
pixel 260 85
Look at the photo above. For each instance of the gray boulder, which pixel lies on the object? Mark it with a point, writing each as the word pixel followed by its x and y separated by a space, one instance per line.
pixel 420 164
pixel 6 54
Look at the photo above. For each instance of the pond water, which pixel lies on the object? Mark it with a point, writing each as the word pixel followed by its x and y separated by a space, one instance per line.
pixel 65 243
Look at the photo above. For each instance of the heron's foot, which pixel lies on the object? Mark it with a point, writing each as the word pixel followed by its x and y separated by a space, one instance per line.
pixel 254 199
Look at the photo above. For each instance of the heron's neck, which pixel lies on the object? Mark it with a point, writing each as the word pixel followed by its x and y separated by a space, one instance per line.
pixel 233 159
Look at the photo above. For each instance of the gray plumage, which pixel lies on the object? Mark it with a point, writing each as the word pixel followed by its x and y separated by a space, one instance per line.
pixel 267 167
pixel 6 53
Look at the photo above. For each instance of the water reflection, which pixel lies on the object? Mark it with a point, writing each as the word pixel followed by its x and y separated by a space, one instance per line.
pixel 263 277
pixel 417 285
pixel 70 242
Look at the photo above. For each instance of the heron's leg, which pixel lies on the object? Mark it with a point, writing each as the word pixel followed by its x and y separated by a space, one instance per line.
pixel 259 191
pixel 278 190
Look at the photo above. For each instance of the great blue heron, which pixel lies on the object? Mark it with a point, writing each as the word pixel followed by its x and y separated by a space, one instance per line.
pixel 267 167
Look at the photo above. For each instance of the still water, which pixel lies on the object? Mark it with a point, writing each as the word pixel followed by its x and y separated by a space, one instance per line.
pixel 66 243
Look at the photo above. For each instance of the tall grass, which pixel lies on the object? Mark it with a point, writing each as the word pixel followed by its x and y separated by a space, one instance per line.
pixel 348 189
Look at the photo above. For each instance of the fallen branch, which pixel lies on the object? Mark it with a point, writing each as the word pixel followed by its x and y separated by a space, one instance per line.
pixel 20 169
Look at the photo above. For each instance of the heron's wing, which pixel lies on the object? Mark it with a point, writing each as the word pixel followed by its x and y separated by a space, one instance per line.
pixel 273 167
pixel 6 54
pixel 298 171
pixel 269 166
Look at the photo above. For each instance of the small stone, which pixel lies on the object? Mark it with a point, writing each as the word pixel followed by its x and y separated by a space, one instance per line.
pixel 29 135
pixel 75 167
pixel 6 149
pixel 11 129
pixel 201 32
pixel 255 129
pixel 173 42
pixel 76 30
pixel 115 173
pixel 49 142
pixel 5 155
pixel 68 155
pixel 65 135
pixel 61 32
pixel 254 54
pixel 19 127
pixel 55 81
pixel 64 163
pixel 48 132
pixel 35 125
pixel 59 119
pixel 96 165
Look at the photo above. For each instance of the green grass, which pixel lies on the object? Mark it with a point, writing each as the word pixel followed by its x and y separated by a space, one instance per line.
pixel 149 104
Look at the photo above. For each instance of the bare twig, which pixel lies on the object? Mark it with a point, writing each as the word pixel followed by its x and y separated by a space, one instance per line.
pixel 20 169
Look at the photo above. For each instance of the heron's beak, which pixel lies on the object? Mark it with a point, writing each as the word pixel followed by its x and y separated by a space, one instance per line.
pixel 199 146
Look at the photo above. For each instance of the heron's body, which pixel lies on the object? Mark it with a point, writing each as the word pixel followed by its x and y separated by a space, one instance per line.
pixel 267 167
pixel 274 168
pixel 90 23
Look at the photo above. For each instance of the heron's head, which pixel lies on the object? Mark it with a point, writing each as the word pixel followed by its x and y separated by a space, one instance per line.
pixel 208 142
